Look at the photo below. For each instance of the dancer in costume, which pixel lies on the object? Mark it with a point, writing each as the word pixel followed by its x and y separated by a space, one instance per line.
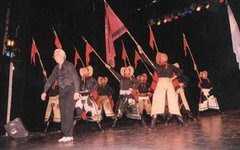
pixel 207 99
pixel 104 100
pixel 164 91
pixel 126 103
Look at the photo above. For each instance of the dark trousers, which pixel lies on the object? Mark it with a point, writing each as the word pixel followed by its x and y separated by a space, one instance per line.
pixel 67 105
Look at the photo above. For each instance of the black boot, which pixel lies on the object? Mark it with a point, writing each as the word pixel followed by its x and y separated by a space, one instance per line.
pixel 190 116
pixel 114 122
pixel 179 120
pixel 143 122
pixel 168 118
pixel 153 122
pixel 78 114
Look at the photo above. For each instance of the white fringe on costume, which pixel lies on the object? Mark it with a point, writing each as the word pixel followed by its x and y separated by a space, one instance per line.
pixel 53 105
pixel 211 101
pixel 164 87
pixel 145 103
pixel 93 108
pixel 106 105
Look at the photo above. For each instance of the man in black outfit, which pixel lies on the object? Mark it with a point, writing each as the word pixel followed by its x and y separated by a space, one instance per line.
pixel 68 81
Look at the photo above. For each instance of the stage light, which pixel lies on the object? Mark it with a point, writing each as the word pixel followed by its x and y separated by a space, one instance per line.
pixel 176 17
pixel 158 22
pixel 10 43
pixel 165 20
pixel 198 8
pixel 207 6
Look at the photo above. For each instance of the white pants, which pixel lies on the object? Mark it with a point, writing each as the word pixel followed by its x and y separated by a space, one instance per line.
pixel 164 88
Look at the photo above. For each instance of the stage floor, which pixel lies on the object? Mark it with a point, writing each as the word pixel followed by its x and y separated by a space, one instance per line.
pixel 211 132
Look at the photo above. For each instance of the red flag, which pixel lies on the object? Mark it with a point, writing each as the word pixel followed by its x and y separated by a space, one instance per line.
pixel 117 28
pixel 185 45
pixel 89 49
pixel 114 28
pixel 136 58
pixel 124 54
pixel 77 56
pixel 154 80
pixel 152 41
pixel 34 51
pixel 57 41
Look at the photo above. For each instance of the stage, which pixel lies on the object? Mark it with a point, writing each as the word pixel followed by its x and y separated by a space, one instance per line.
pixel 209 131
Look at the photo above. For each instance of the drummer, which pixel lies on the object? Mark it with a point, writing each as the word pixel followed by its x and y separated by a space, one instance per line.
pixel 88 87
pixel 104 100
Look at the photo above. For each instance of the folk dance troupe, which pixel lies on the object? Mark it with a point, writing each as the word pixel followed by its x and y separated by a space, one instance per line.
pixel 91 99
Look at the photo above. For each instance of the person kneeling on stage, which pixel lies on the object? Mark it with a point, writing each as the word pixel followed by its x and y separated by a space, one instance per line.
pixel 179 83
pixel 86 106
pixel 144 95
pixel 104 100
pixel 207 99
pixel 164 88
pixel 68 81
pixel 126 102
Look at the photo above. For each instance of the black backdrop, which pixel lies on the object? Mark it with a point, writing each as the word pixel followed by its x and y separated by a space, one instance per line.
pixel 207 32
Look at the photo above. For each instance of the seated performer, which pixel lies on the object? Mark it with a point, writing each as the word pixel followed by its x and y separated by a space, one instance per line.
pixel 104 100
pixel 179 83
pixel 86 107
pixel 164 91
pixel 126 102
pixel 207 99
pixel 144 96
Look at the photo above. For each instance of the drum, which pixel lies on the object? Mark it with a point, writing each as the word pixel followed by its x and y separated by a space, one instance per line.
pixel 87 109
pixel 129 106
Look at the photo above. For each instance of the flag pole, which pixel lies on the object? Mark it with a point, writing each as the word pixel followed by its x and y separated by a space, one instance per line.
pixel 194 63
pixel 101 59
pixel 145 65
pixel 139 47
pixel 41 63
pixel 80 58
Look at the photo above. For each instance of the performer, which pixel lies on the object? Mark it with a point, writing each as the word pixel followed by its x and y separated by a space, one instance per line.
pixel 126 102
pixel 68 81
pixel 53 104
pixel 164 88
pixel 179 83
pixel 207 99
pixel 86 106
pixel 144 95
pixel 104 100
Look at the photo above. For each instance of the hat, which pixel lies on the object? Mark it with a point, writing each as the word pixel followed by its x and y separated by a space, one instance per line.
pixel 129 69
pixel 86 71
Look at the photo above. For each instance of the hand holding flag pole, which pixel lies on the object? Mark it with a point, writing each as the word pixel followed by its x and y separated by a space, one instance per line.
pixel 140 50
pixel 186 46
pixel 35 51
pixel 102 60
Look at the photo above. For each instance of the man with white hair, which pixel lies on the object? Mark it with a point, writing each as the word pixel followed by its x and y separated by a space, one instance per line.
pixel 68 81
